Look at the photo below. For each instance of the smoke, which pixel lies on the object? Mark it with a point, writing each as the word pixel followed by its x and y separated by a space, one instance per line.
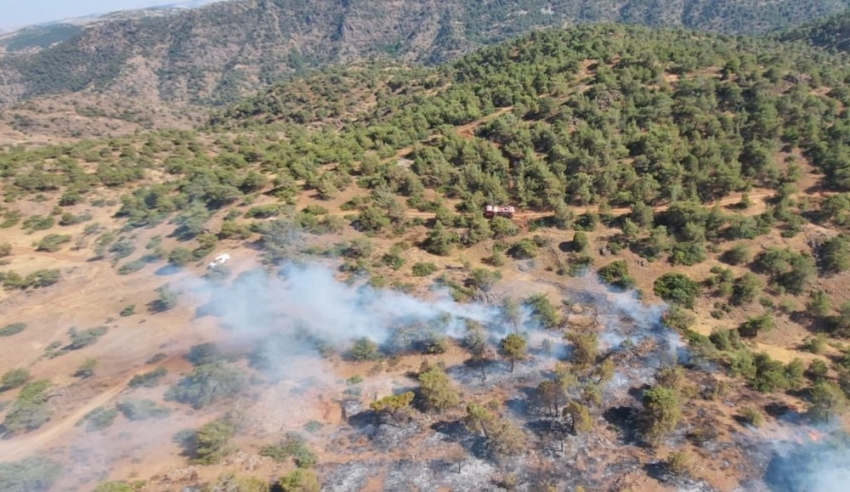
pixel 307 301
pixel 821 466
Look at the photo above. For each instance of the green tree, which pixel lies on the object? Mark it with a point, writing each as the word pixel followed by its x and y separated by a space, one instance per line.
pixel 365 349
pixel 835 254
pixel 211 442
pixel 396 406
pixel 745 288
pixel 439 240
pixel 677 288
pixel 513 348
pixel 436 389
pixel 300 481
pixel 828 400
pixel 661 413
pixel 579 417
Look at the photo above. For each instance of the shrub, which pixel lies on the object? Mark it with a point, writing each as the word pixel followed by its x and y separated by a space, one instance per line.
pixel 142 409
pixel 132 267
pixel 207 384
pixel 677 288
pixel 580 242
pixel 100 418
pixel 29 475
pixel 299 480
pixel 834 254
pixel 114 487
pixel 86 370
pixel 679 463
pixel 752 416
pixel 483 279
pixel 5 249
pixel 38 223
pixel 365 349
pixel 738 255
pixel 292 446
pixel 543 311
pixel 30 410
pixel 211 442
pixel 12 329
pixel 617 274
pixel 128 310
pixel 423 269
pixel 180 256
pixel 14 378
pixel 149 379
pixel 524 249
pixel 755 325
pixel 166 300
pixel 81 339
pixel 263 211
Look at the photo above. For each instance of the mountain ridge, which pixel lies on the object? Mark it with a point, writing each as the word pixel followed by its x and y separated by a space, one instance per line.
pixel 221 52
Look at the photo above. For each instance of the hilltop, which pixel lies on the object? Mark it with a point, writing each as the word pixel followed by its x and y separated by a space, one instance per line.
pixel 667 309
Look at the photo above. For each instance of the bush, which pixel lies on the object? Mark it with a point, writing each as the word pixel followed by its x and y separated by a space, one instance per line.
pixel 12 329
pixel 292 446
pixel 141 409
pixel 29 475
pixel 677 288
pixel 580 242
pixel 114 487
pixel 132 267
pixel 483 279
pixel 30 410
pixel 167 300
pixel 13 379
pixel 180 256
pixel 834 255
pixel 100 418
pixel 5 249
pixel 679 463
pixel 738 255
pixel 752 416
pixel 207 384
pixel 365 349
pixel 149 379
pixel 38 223
pixel 211 442
pixel 128 310
pixel 81 339
pixel 617 274
pixel 299 480
pixel 788 269
pixel 543 311
pixel 524 249
pixel 263 211
pixel 755 325
pixel 86 370
pixel 423 269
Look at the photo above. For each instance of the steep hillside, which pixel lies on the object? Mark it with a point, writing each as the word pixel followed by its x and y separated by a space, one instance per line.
pixel 215 54
pixel 667 310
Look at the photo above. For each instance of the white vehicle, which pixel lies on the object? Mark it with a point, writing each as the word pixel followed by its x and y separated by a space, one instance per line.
pixel 220 260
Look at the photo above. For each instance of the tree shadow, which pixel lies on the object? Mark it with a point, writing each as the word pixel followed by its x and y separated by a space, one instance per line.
pixel 167 270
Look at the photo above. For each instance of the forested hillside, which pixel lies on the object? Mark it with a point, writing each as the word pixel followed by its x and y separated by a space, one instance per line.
pixel 831 33
pixel 707 172
pixel 218 53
